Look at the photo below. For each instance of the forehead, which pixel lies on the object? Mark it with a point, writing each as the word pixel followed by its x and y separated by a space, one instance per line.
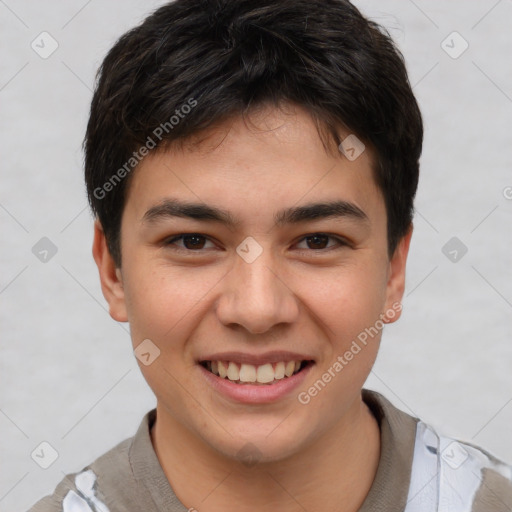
pixel 254 165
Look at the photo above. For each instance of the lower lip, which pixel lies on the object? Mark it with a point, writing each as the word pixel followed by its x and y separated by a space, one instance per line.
pixel 256 394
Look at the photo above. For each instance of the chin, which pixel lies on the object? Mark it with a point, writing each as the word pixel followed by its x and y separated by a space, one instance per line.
pixel 258 448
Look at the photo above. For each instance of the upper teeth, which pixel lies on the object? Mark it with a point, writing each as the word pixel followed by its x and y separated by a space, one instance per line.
pixel 263 374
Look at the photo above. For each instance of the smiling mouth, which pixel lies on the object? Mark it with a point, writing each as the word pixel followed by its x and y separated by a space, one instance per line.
pixel 265 374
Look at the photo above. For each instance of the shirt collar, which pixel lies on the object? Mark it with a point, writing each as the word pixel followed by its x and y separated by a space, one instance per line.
pixel 388 492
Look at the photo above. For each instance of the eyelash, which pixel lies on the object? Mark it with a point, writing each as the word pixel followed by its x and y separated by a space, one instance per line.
pixel 171 241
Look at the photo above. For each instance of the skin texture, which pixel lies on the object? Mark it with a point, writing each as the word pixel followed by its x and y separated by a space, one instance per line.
pixel 295 296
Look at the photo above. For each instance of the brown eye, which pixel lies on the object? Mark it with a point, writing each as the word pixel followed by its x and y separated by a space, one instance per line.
pixel 320 241
pixel 190 241
pixel 193 241
pixel 317 241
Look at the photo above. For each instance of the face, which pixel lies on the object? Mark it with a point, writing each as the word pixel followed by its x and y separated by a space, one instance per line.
pixel 283 260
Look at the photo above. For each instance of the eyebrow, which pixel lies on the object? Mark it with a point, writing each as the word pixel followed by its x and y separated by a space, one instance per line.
pixel 170 208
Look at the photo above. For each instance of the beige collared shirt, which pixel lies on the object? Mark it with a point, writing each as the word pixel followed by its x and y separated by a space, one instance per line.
pixel 418 471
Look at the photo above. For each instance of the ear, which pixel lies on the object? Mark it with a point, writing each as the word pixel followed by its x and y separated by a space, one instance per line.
pixel 110 276
pixel 396 279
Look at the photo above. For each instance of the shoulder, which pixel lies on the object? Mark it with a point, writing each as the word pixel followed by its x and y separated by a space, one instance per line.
pixel 452 475
pixel 86 491
pixel 444 474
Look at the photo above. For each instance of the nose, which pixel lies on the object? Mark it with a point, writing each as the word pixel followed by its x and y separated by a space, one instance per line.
pixel 256 297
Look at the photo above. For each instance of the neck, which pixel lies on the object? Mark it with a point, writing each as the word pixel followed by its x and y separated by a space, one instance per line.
pixel 333 473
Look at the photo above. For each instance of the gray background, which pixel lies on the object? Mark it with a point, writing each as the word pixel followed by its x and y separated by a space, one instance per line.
pixel 67 370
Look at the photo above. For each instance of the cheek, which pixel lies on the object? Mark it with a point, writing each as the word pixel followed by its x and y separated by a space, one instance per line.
pixel 163 303
pixel 348 298
pixel 162 300
pixel 348 304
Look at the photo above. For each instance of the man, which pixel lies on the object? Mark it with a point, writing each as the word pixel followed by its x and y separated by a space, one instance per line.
pixel 252 166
